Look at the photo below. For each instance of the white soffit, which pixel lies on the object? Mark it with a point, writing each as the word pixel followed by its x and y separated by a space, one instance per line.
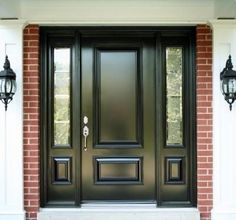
pixel 9 9
pixel 225 8
pixel 116 11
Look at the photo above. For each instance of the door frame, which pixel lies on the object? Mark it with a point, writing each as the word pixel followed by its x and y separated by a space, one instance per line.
pixel 190 85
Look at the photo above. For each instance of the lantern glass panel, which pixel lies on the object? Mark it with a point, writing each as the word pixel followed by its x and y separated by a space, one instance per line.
pixel 2 86
pixel 14 87
pixel 8 88
pixel 232 85
pixel 224 86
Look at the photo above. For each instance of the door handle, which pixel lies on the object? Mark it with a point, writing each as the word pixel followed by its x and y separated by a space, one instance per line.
pixel 85 133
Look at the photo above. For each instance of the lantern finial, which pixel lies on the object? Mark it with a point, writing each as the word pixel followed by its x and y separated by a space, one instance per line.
pixel 229 64
pixel 7 64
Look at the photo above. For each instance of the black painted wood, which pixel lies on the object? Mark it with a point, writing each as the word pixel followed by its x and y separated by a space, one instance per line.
pixel 118 98
pixel 61 170
pixel 179 192
pixel 141 146
pixel 54 190
pixel 118 170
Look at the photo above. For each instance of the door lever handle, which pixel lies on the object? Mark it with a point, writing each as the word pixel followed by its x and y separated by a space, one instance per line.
pixel 85 133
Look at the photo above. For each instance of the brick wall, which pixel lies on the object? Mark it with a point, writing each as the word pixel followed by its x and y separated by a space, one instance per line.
pixel 204 120
pixel 31 121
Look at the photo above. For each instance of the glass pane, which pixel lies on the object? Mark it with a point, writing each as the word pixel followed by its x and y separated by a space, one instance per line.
pixel 62 96
pixel 61 131
pixel 174 104
pixel 118 96
pixel 61 108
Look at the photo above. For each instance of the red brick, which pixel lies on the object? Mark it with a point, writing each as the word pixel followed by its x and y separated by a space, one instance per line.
pixel 201 49
pixel 204 119
pixel 31 121
pixel 30 37
pixel 33 55
pixel 203 31
pixel 34 43
pixel 34 30
pixel 30 61
pixel 205 43
pixel 204 55
pixel 30 49
pixel 202 61
pixel 204 67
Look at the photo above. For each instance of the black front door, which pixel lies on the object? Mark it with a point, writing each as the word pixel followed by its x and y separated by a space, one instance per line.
pixel 117 116
pixel 118 161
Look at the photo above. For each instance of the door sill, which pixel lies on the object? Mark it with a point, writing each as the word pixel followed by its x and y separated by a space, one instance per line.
pixel 118 212
pixel 119 207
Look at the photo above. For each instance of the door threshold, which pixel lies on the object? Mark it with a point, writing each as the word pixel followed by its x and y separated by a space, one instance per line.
pixel 104 207
pixel 120 207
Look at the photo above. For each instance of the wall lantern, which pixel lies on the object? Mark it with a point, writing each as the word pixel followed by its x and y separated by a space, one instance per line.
pixel 228 83
pixel 7 83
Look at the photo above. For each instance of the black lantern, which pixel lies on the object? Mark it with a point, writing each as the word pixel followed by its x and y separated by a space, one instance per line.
pixel 7 83
pixel 228 83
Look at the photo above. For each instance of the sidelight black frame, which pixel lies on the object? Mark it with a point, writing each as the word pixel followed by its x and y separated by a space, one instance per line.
pixel 165 36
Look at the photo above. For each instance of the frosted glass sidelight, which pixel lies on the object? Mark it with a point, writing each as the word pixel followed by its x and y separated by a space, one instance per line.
pixel 174 100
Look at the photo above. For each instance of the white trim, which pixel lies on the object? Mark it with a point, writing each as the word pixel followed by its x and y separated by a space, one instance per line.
pixel 117 11
pixel 224 125
pixel 223 214
pixel 58 22
pixel 117 23
pixel 12 215
pixel 11 212
pixel 11 137
pixel 9 24
pixel 24 23
pixel 222 23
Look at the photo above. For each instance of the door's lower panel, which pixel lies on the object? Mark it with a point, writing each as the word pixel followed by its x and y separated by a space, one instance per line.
pixel 117 171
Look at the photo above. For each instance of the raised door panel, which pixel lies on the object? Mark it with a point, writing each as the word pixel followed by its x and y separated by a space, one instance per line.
pixel 118 101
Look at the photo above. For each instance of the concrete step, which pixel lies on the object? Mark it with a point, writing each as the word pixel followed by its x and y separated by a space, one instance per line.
pixel 119 213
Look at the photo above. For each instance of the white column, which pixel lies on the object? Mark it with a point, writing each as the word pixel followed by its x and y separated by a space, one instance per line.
pixel 11 126
pixel 224 126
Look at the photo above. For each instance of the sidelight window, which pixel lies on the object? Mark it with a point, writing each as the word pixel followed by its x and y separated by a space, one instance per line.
pixel 174 100
pixel 61 97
